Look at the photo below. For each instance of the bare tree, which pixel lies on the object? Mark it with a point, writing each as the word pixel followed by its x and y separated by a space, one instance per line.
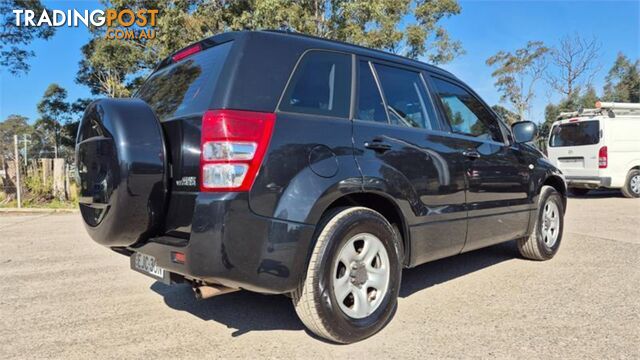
pixel 575 62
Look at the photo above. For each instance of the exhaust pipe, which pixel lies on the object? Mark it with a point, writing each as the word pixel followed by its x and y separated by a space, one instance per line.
pixel 207 291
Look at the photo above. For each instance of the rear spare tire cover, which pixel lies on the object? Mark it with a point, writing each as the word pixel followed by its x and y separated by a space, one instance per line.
pixel 122 171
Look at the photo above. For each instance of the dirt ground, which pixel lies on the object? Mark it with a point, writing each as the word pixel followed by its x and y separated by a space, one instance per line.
pixel 63 296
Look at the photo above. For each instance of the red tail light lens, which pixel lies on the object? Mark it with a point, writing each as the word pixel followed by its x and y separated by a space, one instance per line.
pixel 603 158
pixel 178 257
pixel 187 52
pixel 233 145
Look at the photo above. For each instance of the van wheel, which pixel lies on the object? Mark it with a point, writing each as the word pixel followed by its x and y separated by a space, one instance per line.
pixel 579 191
pixel 353 279
pixel 631 188
pixel 545 240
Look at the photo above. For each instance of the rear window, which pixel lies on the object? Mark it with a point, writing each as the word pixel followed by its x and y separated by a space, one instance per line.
pixel 321 85
pixel 185 87
pixel 575 134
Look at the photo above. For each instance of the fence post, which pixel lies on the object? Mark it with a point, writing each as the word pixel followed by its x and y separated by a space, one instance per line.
pixel 67 184
pixel 47 165
pixel 58 179
pixel 17 160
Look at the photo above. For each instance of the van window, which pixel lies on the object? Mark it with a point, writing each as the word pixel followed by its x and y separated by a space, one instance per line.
pixel 321 85
pixel 370 105
pixel 465 113
pixel 187 86
pixel 575 134
pixel 407 100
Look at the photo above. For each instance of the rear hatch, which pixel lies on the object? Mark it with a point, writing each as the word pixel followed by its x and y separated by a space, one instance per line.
pixel 180 92
pixel 574 146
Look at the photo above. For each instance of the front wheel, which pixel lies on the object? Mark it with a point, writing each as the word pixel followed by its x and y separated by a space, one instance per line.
pixel 545 240
pixel 353 279
pixel 631 188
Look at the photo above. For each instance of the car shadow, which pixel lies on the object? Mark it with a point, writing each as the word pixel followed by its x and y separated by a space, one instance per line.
pixel 440 271
pixel 599 194
pixel 245 311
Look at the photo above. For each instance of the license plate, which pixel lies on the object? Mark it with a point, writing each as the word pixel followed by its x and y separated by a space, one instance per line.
pixel 146 264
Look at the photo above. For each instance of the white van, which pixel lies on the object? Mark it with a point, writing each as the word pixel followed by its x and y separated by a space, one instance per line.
pixel 598 148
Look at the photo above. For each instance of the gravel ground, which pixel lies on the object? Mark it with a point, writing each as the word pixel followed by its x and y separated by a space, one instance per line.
pixel 63 296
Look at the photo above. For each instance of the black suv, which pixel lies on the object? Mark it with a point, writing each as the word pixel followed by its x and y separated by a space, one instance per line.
pixel 286 164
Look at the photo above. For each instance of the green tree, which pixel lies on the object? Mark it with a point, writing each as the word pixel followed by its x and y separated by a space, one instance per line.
pixel 588 98
pixel 622 83
pixel 114 68
pixel 517 73
pixel 507 115
pixel 12 125
pixel 53 109
pixel 15 40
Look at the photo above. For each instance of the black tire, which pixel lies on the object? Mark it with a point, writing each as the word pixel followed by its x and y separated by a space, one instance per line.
pixel 579 191
pixel 627 189
pixel 534 246
pixel 315 301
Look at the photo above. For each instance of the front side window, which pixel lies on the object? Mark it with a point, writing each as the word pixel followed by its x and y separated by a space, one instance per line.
pixel 465 113
pixel 407 100
pixel 321 85
pixel 575 134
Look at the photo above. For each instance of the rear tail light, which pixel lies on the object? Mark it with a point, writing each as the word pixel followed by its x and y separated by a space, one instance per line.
pixel 233 145
pixel 178 257
pixel 603 158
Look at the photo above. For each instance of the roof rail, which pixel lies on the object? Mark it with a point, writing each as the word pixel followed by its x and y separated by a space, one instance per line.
pixel 617 105
pixel 611 109
pixel 582 112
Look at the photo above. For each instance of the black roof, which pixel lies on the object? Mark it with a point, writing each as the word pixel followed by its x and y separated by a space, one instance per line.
pixel 357 49
pixel 322 43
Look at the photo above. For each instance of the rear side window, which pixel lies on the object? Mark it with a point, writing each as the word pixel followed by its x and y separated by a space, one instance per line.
pixel 575 134
pixel 465 113
pixel 370 104
pixel 321 85
pixel 187 86
pixel 407 100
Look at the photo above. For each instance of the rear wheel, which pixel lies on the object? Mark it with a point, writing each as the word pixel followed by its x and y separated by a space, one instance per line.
pixel 631 188
pixel 353 278
pixel 579 191
pixel 545 240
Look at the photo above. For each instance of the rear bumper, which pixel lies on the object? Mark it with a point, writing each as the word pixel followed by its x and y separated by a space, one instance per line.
pixel 232 246
pixel 588 182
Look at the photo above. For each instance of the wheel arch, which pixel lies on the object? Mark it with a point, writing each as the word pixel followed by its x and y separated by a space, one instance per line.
pixel 385 206
pixel 559 184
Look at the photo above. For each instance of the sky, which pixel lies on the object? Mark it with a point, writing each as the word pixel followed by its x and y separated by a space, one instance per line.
pixel 484 27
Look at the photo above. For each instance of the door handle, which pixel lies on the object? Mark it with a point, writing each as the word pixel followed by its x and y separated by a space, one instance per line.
pixel 377 145
pixel 472 154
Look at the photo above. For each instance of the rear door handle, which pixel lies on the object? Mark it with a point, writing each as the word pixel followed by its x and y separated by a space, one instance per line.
pixel 471 154
pixel 377 145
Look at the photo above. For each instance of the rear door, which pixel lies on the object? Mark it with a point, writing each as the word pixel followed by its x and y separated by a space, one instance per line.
pixel 574 147
pixel 402 151
pixel 497 172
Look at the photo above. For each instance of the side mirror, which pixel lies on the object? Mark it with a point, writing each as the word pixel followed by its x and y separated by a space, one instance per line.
pixel 524 131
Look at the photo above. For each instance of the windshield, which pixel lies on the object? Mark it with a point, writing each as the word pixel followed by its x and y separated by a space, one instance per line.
pixel 575 134
pixel 187 86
